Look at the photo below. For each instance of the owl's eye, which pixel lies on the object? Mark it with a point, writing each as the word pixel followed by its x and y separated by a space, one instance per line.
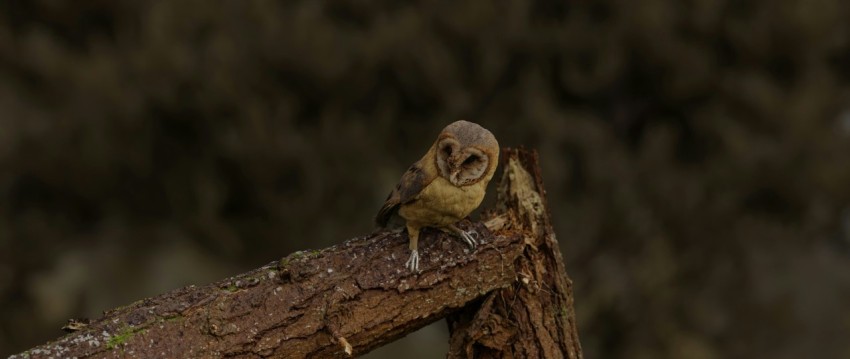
pixel 447 151
pixel 470 160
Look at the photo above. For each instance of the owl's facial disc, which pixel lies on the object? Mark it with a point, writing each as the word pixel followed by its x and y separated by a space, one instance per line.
pixel 468 166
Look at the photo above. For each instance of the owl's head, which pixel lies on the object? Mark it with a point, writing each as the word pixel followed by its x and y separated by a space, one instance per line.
pixel 466 153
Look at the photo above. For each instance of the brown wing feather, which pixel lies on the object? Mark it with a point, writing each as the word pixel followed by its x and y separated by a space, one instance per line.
pixel 412 182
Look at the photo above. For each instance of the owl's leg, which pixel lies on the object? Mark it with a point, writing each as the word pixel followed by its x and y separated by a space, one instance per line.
pixel 413 262
pixel 467 236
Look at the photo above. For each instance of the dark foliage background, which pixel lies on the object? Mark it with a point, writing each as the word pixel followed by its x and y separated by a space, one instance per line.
pixel 697 153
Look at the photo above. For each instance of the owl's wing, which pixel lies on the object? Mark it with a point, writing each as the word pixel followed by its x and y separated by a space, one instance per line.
pixel 412 182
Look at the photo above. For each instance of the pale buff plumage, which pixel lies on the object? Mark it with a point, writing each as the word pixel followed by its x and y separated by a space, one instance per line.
pixel 445 186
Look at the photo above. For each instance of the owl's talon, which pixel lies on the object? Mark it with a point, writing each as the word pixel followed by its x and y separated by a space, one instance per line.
pixel 413 262
pixel 470 238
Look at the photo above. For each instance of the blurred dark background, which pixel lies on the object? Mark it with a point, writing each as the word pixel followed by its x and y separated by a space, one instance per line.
pixel 696 153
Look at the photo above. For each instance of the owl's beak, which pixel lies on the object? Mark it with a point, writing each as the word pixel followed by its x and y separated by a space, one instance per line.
pixel 454 167
pixel 453 173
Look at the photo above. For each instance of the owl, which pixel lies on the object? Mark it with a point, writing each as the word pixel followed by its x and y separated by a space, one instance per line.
pixel 444 186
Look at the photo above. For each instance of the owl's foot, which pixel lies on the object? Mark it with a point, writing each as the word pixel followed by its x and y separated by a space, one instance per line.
pixel 413 262
pixel 470 237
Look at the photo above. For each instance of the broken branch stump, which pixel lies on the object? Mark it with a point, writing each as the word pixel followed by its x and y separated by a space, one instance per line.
pixel 534 317
pixel 356 296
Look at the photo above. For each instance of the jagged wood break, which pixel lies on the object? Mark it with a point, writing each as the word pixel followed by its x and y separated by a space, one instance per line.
pixel 510 298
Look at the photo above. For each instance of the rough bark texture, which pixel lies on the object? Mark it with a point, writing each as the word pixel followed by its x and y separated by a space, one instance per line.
pixel 356 296
pixel 534 318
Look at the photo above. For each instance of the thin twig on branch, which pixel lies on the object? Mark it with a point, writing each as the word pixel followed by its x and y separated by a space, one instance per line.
pixel 508 298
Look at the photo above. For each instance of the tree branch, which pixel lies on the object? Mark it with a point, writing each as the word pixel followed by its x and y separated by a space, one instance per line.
pixel 356 296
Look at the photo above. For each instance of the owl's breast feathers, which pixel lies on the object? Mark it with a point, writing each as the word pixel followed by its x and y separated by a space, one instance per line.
pixel 423 197
pixel 441 203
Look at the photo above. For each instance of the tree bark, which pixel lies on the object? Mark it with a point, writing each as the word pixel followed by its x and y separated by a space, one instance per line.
pixel 534 317
pixel 356 296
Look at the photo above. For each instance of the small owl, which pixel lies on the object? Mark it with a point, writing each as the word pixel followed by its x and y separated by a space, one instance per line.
pixel 445 185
